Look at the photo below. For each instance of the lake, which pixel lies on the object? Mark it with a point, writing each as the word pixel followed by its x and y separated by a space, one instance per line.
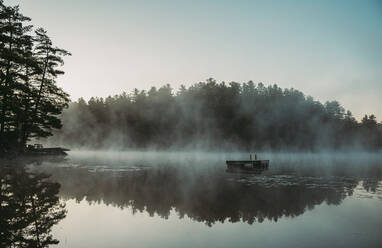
pixel 187 199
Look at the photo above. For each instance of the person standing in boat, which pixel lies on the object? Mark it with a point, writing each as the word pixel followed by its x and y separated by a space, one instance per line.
pixel 250 156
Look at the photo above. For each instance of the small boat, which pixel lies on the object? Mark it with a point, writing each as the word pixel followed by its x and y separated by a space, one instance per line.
pixel 247 165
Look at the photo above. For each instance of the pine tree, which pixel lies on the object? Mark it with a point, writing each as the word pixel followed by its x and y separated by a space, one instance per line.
pixel 15 42
pixel 49 100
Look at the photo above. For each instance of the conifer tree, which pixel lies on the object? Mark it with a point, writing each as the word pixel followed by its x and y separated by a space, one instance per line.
pixel 15 42
pixel 49 100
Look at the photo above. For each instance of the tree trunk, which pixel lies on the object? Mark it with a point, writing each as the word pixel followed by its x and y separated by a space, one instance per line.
pixel 6 85
pixel 23 132
pixel 41 85
pixel 37 233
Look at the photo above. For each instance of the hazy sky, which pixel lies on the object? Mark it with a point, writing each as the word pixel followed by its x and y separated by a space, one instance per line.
pixel 331 50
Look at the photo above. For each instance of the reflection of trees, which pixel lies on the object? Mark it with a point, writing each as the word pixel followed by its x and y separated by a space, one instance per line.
pixel 29 208
pixel 207 197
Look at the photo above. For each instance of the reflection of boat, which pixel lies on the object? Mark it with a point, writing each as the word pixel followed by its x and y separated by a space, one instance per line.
pixel 247 165
pixel 216 197
pixel 39 150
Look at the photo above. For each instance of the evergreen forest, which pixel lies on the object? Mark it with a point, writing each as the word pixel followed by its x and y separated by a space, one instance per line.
pixel 212 115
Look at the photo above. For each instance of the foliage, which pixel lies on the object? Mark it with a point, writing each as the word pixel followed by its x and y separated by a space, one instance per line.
pixel 30 99
pixel 216 115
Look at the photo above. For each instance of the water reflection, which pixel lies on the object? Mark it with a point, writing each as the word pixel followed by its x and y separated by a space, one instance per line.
pixel 211 195
pixel 29 207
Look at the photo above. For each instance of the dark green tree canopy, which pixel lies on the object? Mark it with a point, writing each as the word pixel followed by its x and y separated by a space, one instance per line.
pixel 216 115
pixel 30 100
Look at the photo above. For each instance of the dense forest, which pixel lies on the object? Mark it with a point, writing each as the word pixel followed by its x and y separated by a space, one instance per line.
pixel 30 100
pixel 216 116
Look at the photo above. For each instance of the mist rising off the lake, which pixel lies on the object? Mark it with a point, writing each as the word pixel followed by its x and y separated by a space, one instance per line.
pixel 190 124
pixel 216 116
pixel 145 199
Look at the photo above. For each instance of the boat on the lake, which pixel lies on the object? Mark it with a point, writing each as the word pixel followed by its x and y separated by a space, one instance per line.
pixel 247 165
pixel 39 150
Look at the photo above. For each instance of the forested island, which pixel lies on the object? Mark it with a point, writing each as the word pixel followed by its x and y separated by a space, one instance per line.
pixel 30 100
pixel 206 115
pixel 216 115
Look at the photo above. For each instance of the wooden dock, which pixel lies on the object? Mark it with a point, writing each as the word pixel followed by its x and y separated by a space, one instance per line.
pixel 38 150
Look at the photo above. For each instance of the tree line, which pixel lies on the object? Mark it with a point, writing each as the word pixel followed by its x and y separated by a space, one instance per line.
pixel 216 115
pixel 30 100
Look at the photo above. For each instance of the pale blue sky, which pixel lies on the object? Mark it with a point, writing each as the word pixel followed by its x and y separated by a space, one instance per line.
pixel 328 49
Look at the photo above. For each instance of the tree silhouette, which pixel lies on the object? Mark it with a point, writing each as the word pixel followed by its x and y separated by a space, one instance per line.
pixel 50 99
pixel 29 208
pixel 30 100
pixel 15 50
pixel 216 115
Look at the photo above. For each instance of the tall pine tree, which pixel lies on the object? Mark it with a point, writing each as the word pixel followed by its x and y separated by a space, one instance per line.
pixel 49 100
pixel 15 41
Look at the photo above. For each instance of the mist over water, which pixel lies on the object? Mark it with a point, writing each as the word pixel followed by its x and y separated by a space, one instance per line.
pixel 216 117
pixel 187 199
pixel 165 167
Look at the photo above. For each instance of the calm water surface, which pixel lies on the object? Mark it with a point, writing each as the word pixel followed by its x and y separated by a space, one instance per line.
pixel 142 199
